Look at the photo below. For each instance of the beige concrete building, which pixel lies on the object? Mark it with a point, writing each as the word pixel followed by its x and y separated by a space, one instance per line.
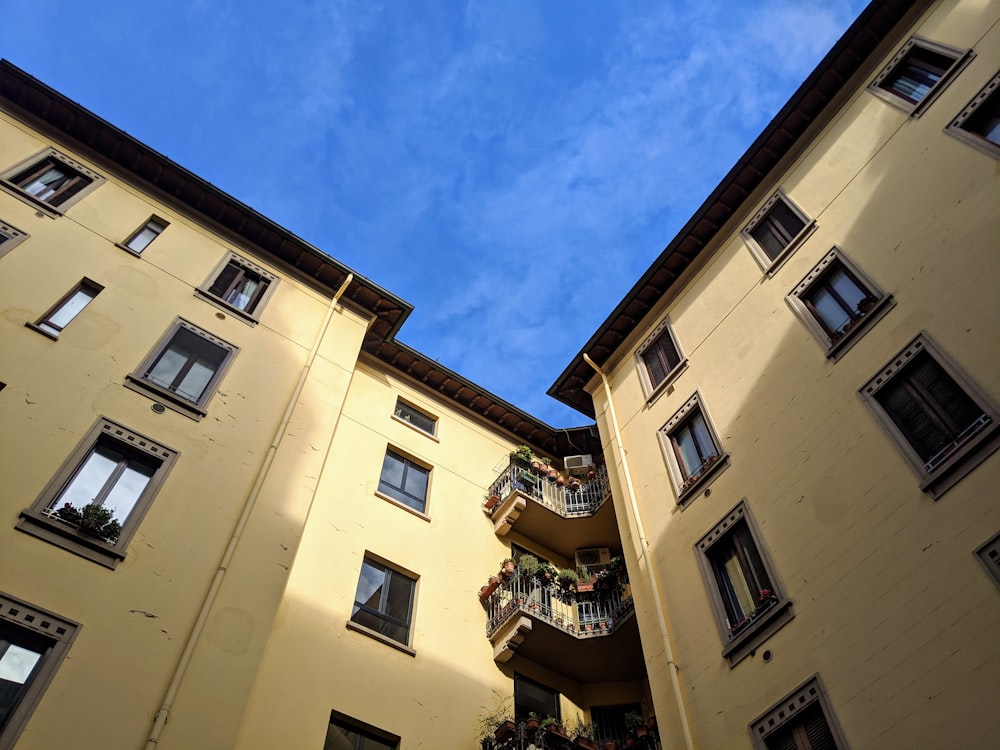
pixel 241 513
pixel 802 423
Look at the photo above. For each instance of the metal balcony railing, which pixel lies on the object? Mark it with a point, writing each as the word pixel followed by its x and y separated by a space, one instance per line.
pixel 521 736
pixel 562 499
pixel 589 615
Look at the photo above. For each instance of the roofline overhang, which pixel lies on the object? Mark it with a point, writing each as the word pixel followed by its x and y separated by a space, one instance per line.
pixel 807 106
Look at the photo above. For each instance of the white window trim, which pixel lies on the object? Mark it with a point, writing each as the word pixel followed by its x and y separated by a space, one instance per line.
pixel 686 494
pixel 967 456
pixel 884 303
pixel 961 58
pixel 767 265
pixel 249 318
pixel 651 391
pixel 954 128
pixel 805 695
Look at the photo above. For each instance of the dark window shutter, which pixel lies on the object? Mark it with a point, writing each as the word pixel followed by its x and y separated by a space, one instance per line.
pixel 757 574
pixel 225 280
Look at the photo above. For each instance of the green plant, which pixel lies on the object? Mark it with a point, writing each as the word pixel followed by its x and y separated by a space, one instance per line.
pixel 528 565
pixel 490 719
pixel 93 519
pixel 546 572
pixel 584 729
pixel 634 720
pixel 567 579
pixel 521 453
pixel 547 722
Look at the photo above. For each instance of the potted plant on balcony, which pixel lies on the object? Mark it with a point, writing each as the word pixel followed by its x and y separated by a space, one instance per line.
pixel 521 454
pixel 497 722
pixel 527 566
pixel 94 520
pixel 552 726
pixel 532 722
pixel 507 568
pixel 490 502
pixel 584 735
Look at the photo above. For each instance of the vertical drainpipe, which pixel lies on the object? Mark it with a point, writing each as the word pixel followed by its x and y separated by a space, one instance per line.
pixel 658 605
pixel 163 713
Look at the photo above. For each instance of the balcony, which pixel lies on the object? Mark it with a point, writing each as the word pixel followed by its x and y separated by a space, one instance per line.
pixel 532 735
pixel 590 636
pixel 536 507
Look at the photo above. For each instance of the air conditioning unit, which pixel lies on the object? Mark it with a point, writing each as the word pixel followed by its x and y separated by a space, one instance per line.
pixel 578 464
pixel 593 556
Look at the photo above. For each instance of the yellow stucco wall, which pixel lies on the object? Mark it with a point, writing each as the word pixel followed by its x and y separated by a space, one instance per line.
pixel 891 607
pixel 55 390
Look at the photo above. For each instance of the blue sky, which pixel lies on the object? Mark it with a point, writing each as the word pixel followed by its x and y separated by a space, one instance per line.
pixel 510 168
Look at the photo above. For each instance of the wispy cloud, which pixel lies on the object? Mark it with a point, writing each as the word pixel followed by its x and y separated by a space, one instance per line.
pixel 509 168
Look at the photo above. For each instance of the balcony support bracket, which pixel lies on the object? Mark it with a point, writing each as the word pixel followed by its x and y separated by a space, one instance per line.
pixel 508 512
pixel 509 637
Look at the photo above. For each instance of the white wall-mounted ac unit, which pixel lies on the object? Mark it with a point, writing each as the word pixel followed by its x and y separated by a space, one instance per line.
pixel 592 556
pixel 579 464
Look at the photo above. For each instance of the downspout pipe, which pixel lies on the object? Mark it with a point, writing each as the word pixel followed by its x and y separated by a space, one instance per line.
pixel 162 715
pixel 658 604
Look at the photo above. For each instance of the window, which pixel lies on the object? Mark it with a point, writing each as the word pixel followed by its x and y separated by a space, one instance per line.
pixel 184 368
pixel 532 697
pixel 837 302
pixel 58 317
pixel 745 596
pixel 692 448
pixel 384 601
pixel 10 238
pixel 95 502
pixel 942 423
pixel 345 733
pixel 240 287
pixel 776 230
pixel 979 123
pixel 404 481
pixel 989 555
pixel 50 180
pixel 917 74
pixel 145 235
pixel 802 720
pixel 414 418
pixel 33 643
pixel 660 360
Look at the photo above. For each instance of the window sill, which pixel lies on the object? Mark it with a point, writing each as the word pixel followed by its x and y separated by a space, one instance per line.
pixel 351 625
pixel 127 249
pixel 797 242
pixel 666 386
pixel 70 539
pixel 38 329
pixel 161 395
pixel 767 625
pixel 708 475
pixel 404 506
pixel 31 200
pixel 841 347
pixel 435 438
pixel 966 458
pixel 211 299
pixel 977 142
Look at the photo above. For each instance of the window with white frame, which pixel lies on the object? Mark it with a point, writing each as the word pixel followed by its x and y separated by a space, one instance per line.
pixel 978 124
pixel 383 603
pixel 415 418
pixel 345 733
pixel 10 237
pixel 50 180
pixel 184 368
pixel 404 481
pixel 33 643
pixel 838 302
pixel 917 73
pixel 240 286
pixel 659 358
pixel 692 447
pixel 95 502
pixel 144 235
pixel 744 593
pixel 943 424
pixel 66 309
pixel 802 720
pixel 776 230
